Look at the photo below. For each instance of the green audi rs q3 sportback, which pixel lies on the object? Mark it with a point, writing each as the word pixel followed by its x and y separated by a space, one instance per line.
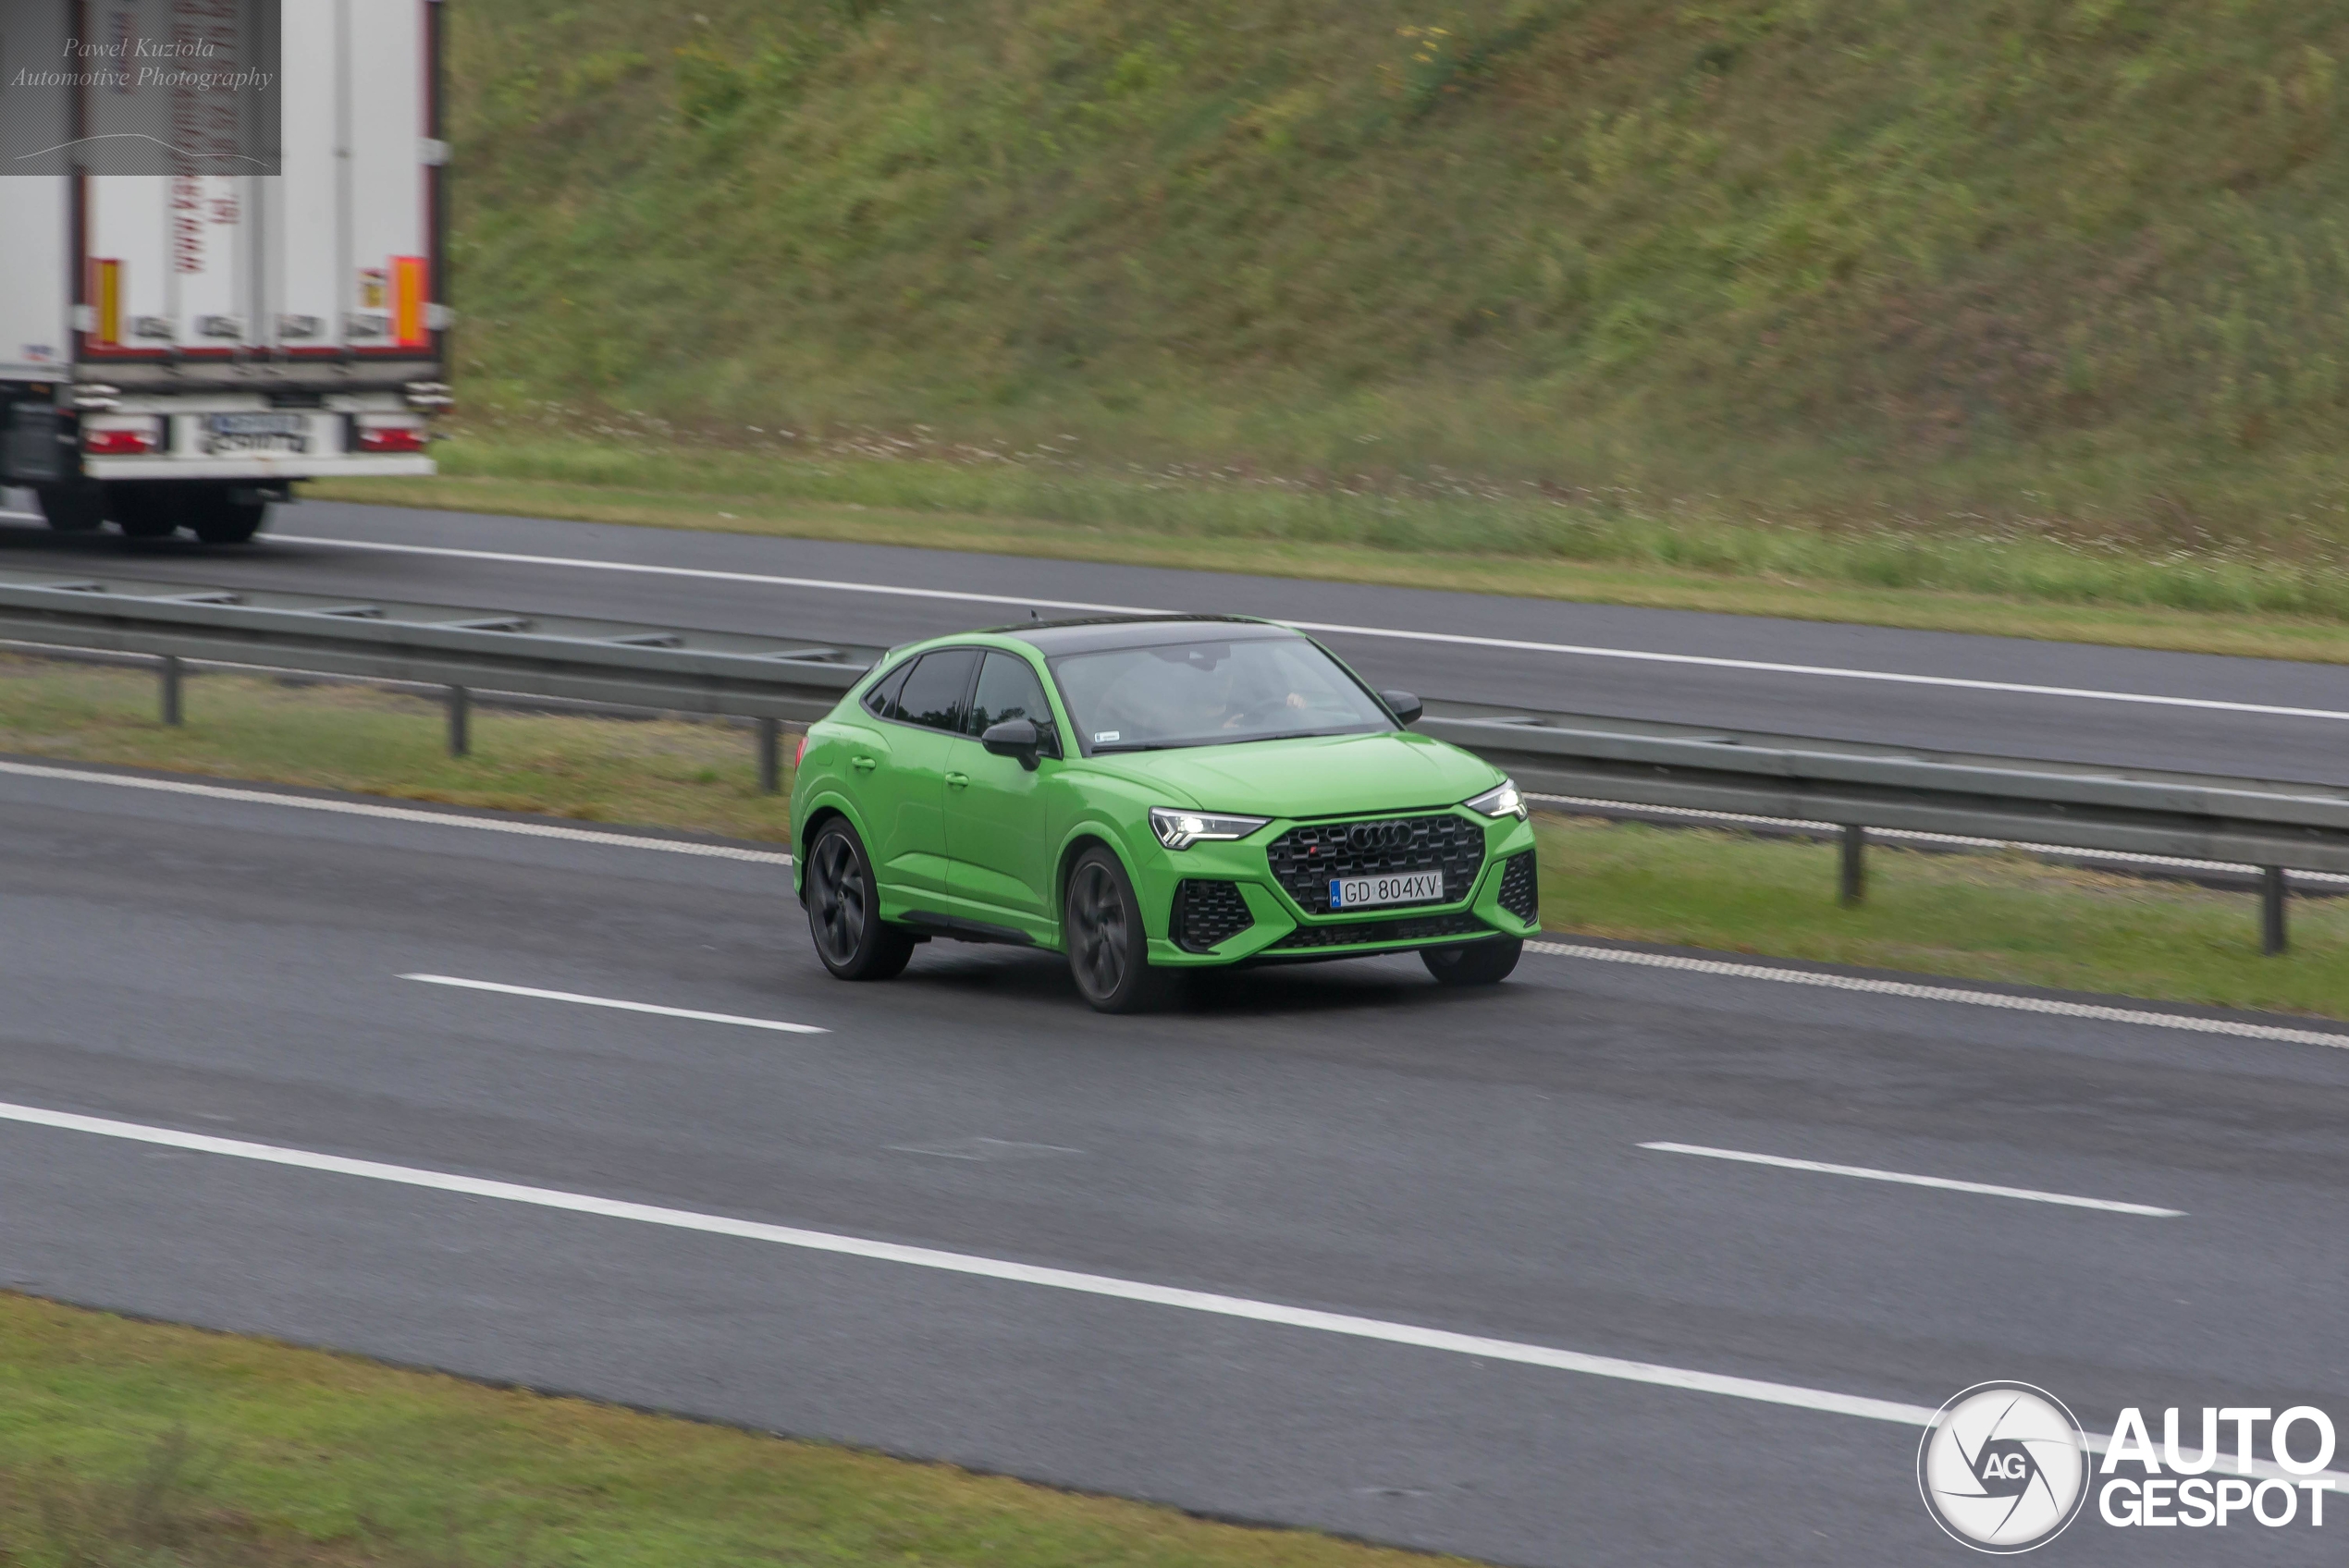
pixel 1150 794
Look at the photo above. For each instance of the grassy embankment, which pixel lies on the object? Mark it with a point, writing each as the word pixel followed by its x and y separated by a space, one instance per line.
pixel 1820 306
pixel 134 1445
pixel 2003 918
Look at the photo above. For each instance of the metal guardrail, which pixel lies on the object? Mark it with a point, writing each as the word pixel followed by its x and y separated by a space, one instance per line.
pixel 2273 826
pixel 622 663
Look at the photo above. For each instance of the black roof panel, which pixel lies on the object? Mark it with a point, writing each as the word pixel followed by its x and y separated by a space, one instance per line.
pixel 1095 633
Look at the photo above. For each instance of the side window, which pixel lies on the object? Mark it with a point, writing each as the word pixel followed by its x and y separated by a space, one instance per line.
pixel 932 695
pixel 882 701
pixel 1007 688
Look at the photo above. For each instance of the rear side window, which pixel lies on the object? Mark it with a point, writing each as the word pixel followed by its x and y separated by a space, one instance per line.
pixel 882 701
pixel 932 695
pixel 1007 688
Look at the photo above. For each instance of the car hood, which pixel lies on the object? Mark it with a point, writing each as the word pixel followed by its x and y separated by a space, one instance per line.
pixel 1324 775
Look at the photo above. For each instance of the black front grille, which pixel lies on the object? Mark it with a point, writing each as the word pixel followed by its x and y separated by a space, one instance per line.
pixel 1208 913
pixel 1427 927
pixel 1305 859
pixel 1520 888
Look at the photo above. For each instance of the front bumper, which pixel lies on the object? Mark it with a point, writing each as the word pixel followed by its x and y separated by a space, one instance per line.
pixel 1279 929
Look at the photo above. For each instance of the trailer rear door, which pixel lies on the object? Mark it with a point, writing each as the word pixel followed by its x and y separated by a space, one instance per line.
pixel 335 258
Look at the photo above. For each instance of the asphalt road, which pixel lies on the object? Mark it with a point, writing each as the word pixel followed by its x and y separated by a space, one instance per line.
pixel 1858 683
pixel 1344 1138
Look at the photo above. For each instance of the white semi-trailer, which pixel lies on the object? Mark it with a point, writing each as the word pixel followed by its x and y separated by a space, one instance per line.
pixel 260 298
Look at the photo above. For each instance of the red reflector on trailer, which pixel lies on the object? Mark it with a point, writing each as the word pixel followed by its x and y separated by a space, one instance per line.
pixel 117 443
pixel 391 438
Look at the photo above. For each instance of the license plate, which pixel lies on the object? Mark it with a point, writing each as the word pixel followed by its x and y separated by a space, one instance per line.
pixel 260 443
pixel 1361 892
pixel 258 425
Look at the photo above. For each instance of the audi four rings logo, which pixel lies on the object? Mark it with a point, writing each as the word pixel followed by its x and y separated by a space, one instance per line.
pixel 1379 834
pixel 2003 1467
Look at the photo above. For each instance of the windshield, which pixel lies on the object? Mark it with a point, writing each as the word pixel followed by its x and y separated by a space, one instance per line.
pixel 1211 693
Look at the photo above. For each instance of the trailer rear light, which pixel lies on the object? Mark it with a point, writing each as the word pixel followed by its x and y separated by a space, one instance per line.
pixel 391 438
pixel 117 443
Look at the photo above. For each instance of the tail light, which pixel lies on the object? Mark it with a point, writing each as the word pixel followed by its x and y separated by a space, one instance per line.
pixel 391 438
pixel 117 443
pixel 799 751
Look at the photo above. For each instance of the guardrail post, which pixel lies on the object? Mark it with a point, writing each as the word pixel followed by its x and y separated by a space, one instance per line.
pixel 169 671
pixel 770 757
pixel 1854 889
pixel 460 721
pixel 2273 937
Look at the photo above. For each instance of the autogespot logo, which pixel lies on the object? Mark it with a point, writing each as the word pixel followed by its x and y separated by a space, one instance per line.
pixel 2003 1467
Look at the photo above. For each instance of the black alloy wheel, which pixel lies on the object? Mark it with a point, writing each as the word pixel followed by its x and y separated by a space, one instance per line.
pixel 1473 963
pixel 843 909
pixel 1108 948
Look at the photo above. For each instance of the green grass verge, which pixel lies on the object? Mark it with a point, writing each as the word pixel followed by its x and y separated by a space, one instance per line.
pixel 136 1445
pixel 1993 917
pixel 678 772
pixel 2069 269
pixel 2003 917
pixel 2010 587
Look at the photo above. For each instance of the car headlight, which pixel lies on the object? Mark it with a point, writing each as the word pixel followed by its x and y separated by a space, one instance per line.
pixel 1501 800
pixel 1181 829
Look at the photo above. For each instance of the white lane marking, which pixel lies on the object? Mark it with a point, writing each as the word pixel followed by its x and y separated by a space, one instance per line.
pixel 398 814
pixel 1868 1173
pixel 984 1149
pixel 1823 1400
pixel 1573 650
pixel 2338 1041
pixel 1117 1289
pixel 533 992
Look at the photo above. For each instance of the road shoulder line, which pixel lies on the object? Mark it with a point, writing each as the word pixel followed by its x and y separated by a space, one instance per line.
pixel 2099 1012
pixel 347 807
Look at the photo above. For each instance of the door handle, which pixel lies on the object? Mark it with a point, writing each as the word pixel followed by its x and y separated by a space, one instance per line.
pixel 863 764
pixel 956 780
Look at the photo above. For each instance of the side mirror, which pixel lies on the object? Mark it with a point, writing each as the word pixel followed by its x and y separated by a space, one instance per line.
pixel 1013 738
pixel 1407 708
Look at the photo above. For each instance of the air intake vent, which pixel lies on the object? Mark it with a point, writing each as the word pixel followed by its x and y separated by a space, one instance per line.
pixel 1427 927
pixel 1207 914
pixel 1520 888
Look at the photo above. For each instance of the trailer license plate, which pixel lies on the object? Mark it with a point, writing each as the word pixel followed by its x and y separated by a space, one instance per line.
pixel 257 432
pixel 1361 892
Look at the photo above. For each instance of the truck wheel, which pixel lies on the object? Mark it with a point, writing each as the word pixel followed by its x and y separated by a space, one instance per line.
pixel 1473 963
pixel 143 511
pixel 843 909
pixel 71 510
pixel 1109 951
pixel 219 517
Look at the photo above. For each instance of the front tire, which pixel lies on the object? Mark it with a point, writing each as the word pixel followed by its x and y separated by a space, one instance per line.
pixel 843 909
pixel 1109 951
pixel 1473 963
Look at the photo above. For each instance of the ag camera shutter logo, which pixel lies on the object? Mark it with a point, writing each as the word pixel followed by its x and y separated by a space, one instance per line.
pixel 2004 1467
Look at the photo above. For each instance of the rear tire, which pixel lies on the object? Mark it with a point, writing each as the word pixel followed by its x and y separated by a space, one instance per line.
pixel 145 511
pixel 1473 963
pixel 843 909
pixel 219 517
pixel 1109 951
pixel 75 508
